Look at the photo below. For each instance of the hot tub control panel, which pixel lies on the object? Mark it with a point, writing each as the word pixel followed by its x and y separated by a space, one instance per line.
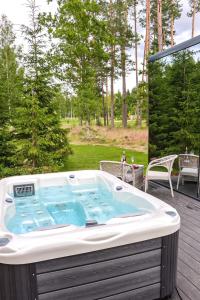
pixel 24 190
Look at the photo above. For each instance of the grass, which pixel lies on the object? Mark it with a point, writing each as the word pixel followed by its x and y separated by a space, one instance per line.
pixel 92 144
pixel 128 138
pixel 86 157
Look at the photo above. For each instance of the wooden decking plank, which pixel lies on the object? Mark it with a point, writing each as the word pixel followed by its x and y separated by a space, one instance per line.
pixel 187 213
pixel 190 220
pixel 191 233
pixel 188 260
pixel 190 250
pixel 182 296
pixel 187 288
pixel 189 273
pixel 188 279
pixel 186 223
pixel 188 239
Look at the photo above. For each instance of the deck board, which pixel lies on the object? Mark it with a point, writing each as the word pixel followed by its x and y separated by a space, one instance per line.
pixel 188 277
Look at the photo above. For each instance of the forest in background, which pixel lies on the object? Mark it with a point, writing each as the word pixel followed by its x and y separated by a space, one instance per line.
pixel 174 103
pixel 68 67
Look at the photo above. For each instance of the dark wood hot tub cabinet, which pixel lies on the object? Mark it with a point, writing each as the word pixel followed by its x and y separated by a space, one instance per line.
pixel 139 271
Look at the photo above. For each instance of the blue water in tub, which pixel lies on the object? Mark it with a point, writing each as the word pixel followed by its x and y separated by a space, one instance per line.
pixel 62 205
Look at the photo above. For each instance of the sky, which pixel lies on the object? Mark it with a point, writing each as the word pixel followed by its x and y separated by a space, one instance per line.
pixel 16 11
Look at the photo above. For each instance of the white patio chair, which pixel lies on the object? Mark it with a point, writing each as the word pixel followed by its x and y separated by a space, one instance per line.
pixel 188 167
pixel 165 162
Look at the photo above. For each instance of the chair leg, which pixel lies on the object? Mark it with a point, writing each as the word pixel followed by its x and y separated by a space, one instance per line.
pixel 178 181
pixel 171 187
pixel 146 185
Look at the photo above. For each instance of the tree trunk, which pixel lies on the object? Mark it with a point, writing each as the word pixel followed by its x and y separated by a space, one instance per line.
pixel 71 110
pixel 172 30
pixel 193 18
pixel 147 27
pixel 139 121
pixel 103 106
pixel 144 63
pixel 106 106
pixel 159 21
pixel 8 84
pixel 138 110
pixel 112 74
pixel 147 41
pixel 88 118
pixel 136 43
pixel 34 136
pixel 112 87
pixel 123 64
pixel 124 103
pixel 164 39
pixel 98 121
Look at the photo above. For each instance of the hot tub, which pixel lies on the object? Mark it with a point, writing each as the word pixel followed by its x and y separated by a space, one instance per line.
pixel 84 235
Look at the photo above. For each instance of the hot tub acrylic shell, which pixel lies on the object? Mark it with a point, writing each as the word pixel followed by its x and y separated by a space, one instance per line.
pixel 127 257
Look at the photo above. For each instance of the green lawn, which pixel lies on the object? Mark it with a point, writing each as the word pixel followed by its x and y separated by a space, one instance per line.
pixel 87 157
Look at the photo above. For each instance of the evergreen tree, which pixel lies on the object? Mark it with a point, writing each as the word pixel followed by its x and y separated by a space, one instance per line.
pixel 10 87
pixel 174 104
pixel 40 141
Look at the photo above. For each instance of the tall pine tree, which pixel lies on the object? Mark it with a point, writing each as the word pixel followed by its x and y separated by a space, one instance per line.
pixel 41 143
pixel 10 87
pixel 194 9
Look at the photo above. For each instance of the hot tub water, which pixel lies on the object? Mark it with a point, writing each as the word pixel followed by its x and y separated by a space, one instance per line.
pixel 64 205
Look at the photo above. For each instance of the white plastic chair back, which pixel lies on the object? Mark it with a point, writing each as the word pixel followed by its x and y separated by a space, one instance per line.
pixel 188 161
pixel 166 162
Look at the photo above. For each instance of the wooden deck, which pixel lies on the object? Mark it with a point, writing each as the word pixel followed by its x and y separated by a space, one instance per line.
pixel 188 279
